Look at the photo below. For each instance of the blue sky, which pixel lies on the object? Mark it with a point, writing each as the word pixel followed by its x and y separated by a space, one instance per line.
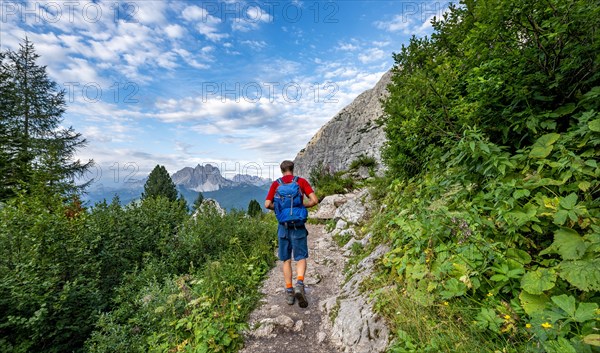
pixel 240 84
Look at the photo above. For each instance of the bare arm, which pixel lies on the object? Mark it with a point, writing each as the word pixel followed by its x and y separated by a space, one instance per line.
pixel 312 200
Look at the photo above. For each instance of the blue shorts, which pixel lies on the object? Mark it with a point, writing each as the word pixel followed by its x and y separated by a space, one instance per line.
pixel 292 240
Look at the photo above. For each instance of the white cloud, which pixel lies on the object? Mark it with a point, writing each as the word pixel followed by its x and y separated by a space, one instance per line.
pixel 211 32
pixel 195 13
pixel 371 55
pixel 174 31
pixel 255 44
pixel 251 20
pixel 147 12
pixel 347 47
pixel 415 18
pixel 206 24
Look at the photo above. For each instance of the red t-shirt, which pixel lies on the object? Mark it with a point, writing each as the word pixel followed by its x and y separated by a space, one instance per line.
pixel 303 183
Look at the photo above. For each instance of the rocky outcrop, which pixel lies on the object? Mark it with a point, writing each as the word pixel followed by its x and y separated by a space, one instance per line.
pixel 354 326
pixel 209 206
pixel 328 206
pixel 354 131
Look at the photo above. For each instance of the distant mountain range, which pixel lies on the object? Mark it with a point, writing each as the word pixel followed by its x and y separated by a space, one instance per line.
pixel 235 193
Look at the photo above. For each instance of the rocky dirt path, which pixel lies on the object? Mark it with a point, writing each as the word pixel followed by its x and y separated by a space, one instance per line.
pixel 276 326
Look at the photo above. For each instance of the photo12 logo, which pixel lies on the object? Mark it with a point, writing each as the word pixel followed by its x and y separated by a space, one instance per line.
pixel 270 11
pixel 55 11
pixel 93 92
pixel 253 92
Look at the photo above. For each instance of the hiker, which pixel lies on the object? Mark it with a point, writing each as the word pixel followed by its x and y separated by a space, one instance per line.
pixel 286 198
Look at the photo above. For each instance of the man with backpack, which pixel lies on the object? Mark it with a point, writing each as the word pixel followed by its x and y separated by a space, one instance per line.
pixel 286 198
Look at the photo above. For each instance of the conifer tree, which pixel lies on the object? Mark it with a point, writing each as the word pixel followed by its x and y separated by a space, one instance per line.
pixel 198 201
pixel 34 149
pixel 254 208
pixel 160 184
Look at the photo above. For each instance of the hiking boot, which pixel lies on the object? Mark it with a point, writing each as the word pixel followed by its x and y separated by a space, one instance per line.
pixel 291 299
pixel 301 296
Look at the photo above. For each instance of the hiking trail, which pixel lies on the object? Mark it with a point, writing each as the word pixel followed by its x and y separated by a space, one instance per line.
pixel 276 326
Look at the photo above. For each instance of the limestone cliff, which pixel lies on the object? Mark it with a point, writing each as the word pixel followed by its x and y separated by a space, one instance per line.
pixel 350 133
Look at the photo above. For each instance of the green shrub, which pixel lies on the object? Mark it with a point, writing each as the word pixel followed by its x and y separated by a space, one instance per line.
pixel 203 308
pixel 363 161
pixel 493 141
pixel 513 237
pixel 327 183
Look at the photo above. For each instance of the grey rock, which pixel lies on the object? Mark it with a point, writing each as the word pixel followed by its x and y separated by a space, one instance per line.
pixel 284 321
pixel 356 328
pixel 355 210
pixel 351 212
pixel 298 326
pixel 362 173
pixel 328 205
pixel 366 239
pixel 209 206
pixel 348 247
pixel 348 232
pixel 313 279
pixel 354 131
pixel 321 336
pixel 341 224
pixel 265 330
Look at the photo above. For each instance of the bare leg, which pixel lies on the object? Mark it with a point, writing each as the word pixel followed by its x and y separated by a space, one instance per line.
pixel 301 268
pixel 287 271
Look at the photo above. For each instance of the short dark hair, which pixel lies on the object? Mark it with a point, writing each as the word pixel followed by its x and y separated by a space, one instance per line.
pixel 287 166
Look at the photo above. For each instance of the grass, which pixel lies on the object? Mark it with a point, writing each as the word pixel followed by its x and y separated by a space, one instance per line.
pixel 443 327
pixel 363 161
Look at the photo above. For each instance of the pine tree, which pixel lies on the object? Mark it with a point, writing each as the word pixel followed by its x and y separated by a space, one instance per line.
pixel 34 149
pixel 198 201
pixel 254 209
pixel 160 184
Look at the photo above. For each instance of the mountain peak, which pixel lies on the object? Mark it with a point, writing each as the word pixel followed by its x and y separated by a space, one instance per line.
pixel 206 178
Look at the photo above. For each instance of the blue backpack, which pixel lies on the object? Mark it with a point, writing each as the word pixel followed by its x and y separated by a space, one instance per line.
pixel 289 205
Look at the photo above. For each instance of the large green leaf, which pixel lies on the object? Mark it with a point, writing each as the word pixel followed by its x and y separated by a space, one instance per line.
pixel 518 255
pixel 583 274
pixel 453 288
pixel 533 303
pixel 538 281
pixel 594 125
pixel 569 244
pixel 562 345
pixel 592 340
pixel 543 146
pixel 586 312
pixel 569 201
pixel 566 303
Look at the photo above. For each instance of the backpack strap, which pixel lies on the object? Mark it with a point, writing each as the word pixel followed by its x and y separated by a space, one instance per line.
pixel 295 180
pixel 279 181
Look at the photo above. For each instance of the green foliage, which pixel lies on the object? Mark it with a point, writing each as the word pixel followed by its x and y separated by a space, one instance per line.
pixel 202 309
pixel 254 209
pixel 118 277
pixel 34 149
pixel 363 161
pixel 198 201
pixel 159 183
pixel 493 143
pixel 327 183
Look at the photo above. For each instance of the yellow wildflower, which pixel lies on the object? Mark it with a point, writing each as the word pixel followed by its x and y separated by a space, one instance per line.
pixel 547 325
pixel 446 303
pixel 490 294
pixel 506 317
pixel 528 325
